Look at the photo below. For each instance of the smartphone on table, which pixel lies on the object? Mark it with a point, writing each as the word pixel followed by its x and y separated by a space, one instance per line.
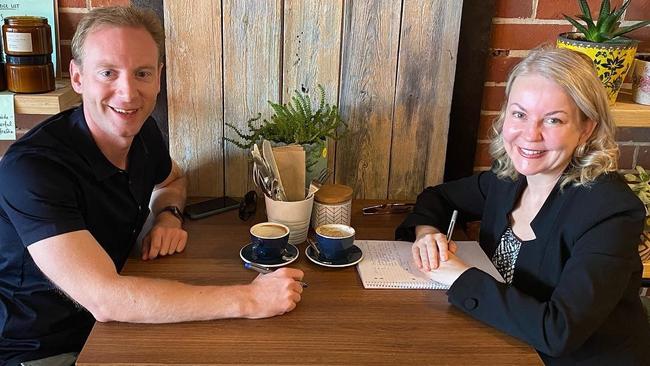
pixel 210 207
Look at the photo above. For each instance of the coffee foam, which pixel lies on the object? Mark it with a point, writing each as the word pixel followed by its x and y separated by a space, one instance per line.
pixel 333 231
pixel 268 231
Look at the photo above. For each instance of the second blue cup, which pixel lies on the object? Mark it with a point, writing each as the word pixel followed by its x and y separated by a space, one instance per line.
pixel 334 240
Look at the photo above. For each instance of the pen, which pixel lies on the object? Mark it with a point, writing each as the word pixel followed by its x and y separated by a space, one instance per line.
pixel 264 270
pixel 450 231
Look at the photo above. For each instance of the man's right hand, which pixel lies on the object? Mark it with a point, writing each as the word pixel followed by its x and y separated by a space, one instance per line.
pixel 275 293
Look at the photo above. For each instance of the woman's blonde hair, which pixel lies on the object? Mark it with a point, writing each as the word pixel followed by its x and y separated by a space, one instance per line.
pixel 574 73
pixel 118 16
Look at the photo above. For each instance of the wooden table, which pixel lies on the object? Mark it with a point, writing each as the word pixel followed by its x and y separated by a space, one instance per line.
pixel 337 321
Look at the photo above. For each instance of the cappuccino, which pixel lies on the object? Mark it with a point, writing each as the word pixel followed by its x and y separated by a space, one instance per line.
pixel 268 231
pixel 332 232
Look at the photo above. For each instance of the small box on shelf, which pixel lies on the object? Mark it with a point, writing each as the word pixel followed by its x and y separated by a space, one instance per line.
pixel 61 99
pixel 626 113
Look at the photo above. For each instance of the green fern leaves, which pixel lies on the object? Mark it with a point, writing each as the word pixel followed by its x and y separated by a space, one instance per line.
pixel 294 123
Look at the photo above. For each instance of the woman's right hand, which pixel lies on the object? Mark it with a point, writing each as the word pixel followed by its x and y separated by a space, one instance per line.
pixel 430 248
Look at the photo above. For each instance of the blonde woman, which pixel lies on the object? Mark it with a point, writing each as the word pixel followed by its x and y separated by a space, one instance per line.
pixel 557 221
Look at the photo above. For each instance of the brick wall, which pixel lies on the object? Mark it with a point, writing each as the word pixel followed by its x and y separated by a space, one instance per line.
pixel 70 11
pixel 520 25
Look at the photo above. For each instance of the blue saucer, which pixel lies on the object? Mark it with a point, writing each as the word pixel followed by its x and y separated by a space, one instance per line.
pixel 246 254
pixel 355 255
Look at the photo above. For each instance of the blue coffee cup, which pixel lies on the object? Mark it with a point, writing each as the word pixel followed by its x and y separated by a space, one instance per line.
pixel 269 240
pixel 334 241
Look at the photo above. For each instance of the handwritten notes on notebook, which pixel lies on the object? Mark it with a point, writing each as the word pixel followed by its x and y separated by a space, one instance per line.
pixel 389 264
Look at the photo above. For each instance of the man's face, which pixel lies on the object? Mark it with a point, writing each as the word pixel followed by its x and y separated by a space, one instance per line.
pixel 119 80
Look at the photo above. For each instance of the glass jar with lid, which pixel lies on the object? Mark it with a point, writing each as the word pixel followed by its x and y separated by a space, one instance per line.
pixel 30 74
pixel 332 205
pixel 26 36
pixel 3 80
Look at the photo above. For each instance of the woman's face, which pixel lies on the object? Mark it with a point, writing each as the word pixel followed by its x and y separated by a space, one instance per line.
pixel 542 127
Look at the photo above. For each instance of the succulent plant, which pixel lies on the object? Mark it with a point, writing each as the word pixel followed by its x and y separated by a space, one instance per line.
pixel 640 185
pixel 607 26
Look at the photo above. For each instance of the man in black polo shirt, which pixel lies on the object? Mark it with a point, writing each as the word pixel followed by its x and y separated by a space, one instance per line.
pixel 75 193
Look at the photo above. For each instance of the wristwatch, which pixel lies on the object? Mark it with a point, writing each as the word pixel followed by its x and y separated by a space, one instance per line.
pixel 174 211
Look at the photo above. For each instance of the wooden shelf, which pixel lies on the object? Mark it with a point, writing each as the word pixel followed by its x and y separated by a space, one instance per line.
pixel 56 101
pixel 626 113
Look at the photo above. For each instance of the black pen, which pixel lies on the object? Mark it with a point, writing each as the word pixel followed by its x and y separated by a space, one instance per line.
pixel 264 270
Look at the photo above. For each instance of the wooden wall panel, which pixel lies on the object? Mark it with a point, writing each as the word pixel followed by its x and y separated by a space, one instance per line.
pixel 368 66
pixel 194 76
pixel 390 65
pixel 425 77
pixel 251 64
pixel 311 50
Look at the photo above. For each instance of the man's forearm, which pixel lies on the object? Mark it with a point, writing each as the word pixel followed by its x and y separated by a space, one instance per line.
pixel 172 192
pixel 149 300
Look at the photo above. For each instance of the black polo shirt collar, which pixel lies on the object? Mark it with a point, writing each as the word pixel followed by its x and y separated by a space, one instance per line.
pixel 100 165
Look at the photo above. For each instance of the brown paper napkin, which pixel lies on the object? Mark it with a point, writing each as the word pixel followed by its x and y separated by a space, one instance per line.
pixel 291 165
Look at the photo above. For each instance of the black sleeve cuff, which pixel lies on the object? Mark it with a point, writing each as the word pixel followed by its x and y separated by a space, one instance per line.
pixel 466 292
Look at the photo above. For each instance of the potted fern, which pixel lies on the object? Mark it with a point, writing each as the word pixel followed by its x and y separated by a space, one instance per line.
pixel 602 40
pixel 296 122
pixel 640 184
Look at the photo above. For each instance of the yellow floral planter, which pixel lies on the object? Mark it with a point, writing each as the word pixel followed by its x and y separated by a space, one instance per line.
pixel 644 247
pixel 612 60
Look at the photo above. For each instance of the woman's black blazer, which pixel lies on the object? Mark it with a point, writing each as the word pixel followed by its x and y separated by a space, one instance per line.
pixel 575 291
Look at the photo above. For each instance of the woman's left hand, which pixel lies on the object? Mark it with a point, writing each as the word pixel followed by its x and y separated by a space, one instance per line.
pixel 448 271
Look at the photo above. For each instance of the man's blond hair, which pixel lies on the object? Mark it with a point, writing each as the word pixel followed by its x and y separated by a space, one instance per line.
pixel 118 16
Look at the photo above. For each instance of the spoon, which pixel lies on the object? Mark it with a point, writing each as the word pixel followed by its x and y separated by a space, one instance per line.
pixel 313 245
pixel 267 152
pixel 259 181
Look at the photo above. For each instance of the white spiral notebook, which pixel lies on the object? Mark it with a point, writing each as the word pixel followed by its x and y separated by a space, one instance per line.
pixel 389 264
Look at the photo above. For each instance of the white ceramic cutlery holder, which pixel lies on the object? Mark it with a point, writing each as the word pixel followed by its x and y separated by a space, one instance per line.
pixel 294 214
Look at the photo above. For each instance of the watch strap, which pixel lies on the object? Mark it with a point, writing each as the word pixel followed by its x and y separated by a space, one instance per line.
pixel 174 211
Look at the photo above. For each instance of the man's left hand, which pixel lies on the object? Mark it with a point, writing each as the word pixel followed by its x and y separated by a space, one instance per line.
pixel 165 238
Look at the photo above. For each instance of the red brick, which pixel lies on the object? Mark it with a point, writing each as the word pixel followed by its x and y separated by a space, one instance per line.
pixel 514 8
pixel 72 3
pixel 525 36
pixel 66 56
pixel 633 134
pixel 104 3
pixel 643 36
pixel 25 122
pixel 482 158
pixel 499 67
pixel 493 98
pixel 626 157
pixel 485 126
pixel 4 144
pixel 68 24
pixel 643 156
pixel 638 10
pixel 553 9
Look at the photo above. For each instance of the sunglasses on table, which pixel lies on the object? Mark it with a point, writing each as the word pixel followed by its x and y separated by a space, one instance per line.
pixel 248 205
pixel 388 208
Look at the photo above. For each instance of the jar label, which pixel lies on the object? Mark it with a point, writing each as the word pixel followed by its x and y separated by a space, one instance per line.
pixel 19 42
